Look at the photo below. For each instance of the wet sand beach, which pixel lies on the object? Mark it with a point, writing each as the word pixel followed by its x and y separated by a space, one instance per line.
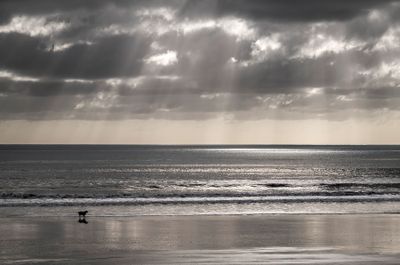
pixel 252 239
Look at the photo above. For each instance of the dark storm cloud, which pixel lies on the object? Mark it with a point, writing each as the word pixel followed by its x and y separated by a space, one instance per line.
pixel 368 28
pixel 284 75
pixel 27 107
pixel 286 10
pixel 289 10
pixel 47 88
pixel 110 57
pixel 9 8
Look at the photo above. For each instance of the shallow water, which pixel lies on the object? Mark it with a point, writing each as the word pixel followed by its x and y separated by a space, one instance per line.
pixel 285 239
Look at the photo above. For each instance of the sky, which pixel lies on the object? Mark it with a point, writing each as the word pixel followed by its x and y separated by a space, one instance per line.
pixel 200 72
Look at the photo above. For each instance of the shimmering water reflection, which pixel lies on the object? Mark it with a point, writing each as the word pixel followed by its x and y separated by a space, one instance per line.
pixel 303 239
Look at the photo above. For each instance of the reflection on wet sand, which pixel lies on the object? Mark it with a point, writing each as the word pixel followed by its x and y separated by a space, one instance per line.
pixel 317 239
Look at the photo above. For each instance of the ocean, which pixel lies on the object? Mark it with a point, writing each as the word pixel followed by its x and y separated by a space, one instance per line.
pixel 130 180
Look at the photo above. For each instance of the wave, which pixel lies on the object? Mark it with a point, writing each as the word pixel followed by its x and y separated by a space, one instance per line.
pixel 196 200
pixel 183 194
pixel 361 185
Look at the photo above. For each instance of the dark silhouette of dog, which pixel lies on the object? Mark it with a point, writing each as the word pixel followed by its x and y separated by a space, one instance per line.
pixel 82 214
pixel 82 217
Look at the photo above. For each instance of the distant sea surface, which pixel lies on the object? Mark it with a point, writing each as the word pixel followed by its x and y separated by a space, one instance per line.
pixel 178 180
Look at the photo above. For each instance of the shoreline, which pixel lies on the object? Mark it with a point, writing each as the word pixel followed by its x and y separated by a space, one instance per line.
pixel 229 209
pixel 206 215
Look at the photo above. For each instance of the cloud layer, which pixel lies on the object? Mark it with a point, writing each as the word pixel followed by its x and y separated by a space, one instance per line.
pixel 199 59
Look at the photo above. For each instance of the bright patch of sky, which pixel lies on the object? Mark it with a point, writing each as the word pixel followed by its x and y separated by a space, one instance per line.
pixel 163 59
pixel 33 26
pixel 16 77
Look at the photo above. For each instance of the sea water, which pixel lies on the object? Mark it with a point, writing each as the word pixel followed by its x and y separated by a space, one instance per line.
pixel 178 180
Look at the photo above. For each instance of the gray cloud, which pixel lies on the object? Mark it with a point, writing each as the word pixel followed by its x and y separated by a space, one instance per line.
pixel 197 59
pixel 109 57
pixel 284 10
pixel 9 8
pixel 47 88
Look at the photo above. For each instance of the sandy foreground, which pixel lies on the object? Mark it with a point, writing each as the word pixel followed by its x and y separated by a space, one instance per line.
pixel 255 239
